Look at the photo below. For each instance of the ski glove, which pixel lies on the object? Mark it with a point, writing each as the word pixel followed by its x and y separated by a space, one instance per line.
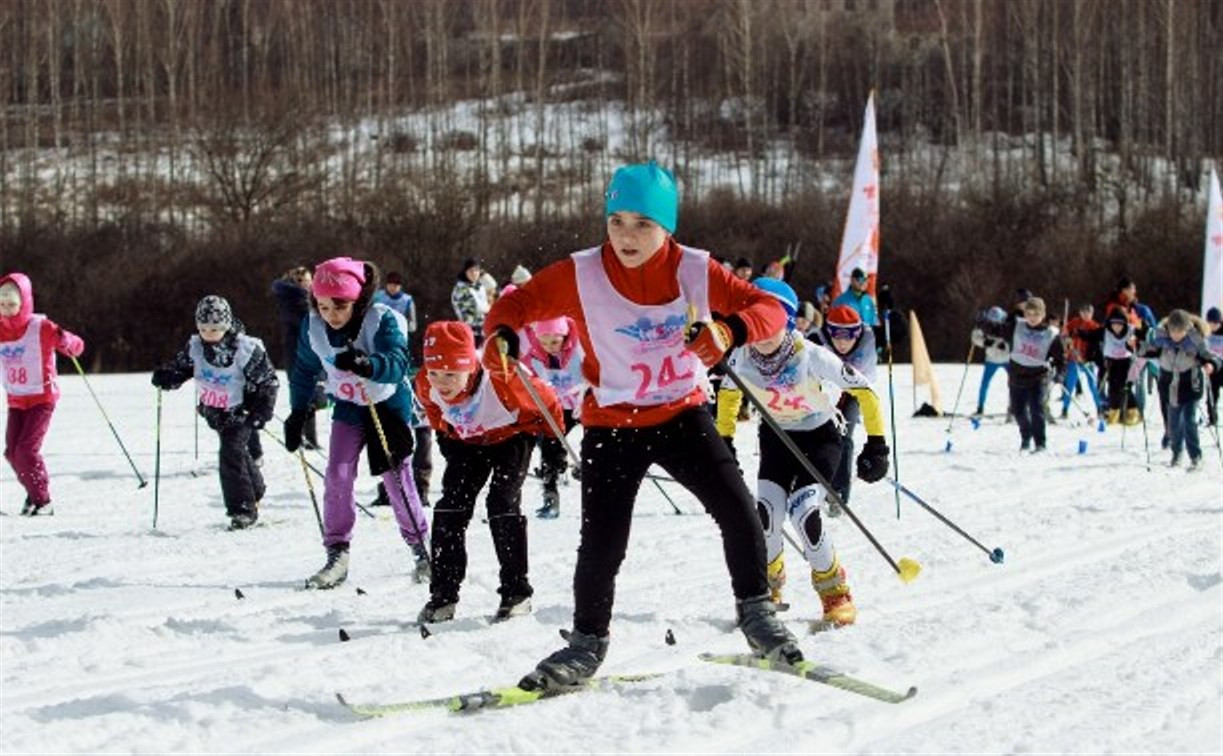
pixel 709 341
pixel 492 349
pixel 163 378
pixel 256 422
pixel 873 461
pixel 294 424
pixel 356 362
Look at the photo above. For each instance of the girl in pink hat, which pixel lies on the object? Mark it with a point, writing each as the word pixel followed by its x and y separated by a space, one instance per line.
pixel 360 349
pixel 28 343
pixel 555 355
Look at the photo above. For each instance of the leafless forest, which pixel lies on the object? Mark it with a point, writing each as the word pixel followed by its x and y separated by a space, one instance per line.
pixel 152 151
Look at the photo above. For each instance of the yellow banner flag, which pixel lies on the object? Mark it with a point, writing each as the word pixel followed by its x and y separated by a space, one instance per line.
pixel 923 369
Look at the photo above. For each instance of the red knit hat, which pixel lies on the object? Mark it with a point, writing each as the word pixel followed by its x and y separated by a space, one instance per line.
pixel 843 322
pixel 450 345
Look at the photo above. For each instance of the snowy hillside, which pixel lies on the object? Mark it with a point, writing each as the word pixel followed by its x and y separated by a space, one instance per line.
pixel 1102 632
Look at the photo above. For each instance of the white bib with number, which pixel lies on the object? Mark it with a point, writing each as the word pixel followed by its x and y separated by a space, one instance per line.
pixel 22 361
pixel 343 385
pixel 221 387
pixel 643 359
pixel 479 413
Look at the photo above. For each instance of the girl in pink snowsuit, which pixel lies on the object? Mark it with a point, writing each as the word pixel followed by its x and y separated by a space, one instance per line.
pixel 28 343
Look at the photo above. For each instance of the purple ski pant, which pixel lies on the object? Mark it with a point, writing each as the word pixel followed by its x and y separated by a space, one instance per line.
pixel 339 506
pixel 22 440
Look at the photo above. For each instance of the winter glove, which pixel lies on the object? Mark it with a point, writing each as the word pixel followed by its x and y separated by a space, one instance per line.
pixel 873 461
pixel 886 303
pixel 355 361
pixel 294 424
pixel 709 341
pixel 70 344
pixel 256 422
pixel 163 378
pixel 978 338
pixel 492 348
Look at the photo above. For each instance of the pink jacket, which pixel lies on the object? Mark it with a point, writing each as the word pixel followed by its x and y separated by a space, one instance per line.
pixel 52 339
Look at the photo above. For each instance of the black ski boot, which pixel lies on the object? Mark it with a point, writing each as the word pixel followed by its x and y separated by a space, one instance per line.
pixel 767 636
pixel 552 506
pixel 571 666
pixel 37 510
pixel 437 610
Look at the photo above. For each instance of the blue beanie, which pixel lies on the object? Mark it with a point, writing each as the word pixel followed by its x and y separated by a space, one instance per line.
pixel 1214 316
pixel 645 189
pixel 784 294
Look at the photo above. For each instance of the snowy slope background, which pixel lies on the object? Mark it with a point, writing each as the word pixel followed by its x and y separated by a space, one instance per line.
pixel 1103 631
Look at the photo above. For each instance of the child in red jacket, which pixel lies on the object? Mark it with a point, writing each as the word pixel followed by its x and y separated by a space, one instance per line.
pixel 486 422
pixel 28 343
pixel 631 299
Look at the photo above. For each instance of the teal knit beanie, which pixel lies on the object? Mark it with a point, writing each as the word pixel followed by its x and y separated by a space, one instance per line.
pixel 645 189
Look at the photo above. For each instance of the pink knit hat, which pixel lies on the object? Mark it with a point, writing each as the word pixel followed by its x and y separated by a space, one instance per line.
pixel 554 327
pixel 339 278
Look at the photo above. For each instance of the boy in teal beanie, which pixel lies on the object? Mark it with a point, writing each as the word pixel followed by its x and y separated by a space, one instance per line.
pixel 652 316
pixel 646 189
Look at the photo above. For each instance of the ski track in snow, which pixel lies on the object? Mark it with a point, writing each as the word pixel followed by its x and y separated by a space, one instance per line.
pixel 1101 632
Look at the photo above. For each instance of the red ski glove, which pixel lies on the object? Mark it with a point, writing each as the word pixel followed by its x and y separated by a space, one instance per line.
pixel 709 342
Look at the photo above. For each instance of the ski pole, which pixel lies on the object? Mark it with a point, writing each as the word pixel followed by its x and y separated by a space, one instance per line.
pixel 313 469
pixel 907 569
pixel 386 450
pixel 157 460
pixel 111 425
pixel 1146 439
pixel 1125 399
pixel 658 480
pixel 197 437
pixel 995 555
pixel 960 391
pixel 887 339
pixel 301 454
pixel 1214 431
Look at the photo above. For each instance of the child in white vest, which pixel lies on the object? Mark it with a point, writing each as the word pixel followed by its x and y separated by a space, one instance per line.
pixel 637 299
pixel 28 344
pixel 787 372
pixel 236 387
pixel 486 421
pixel 555 355
pixel 360 348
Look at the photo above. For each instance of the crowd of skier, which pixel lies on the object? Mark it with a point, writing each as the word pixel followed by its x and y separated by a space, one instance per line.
pixel 657 350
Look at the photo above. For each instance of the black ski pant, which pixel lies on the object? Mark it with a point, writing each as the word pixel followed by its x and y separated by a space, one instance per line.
pixel 1120 395
pixel 843 478
pixel 1028 404
pixel 241 481
pixel 468 467
pixel 615 461
pixel 552 455
pixel 822 447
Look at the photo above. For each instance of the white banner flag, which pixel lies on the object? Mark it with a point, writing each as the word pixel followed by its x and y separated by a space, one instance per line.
pixel 1212 267
pixel 860 241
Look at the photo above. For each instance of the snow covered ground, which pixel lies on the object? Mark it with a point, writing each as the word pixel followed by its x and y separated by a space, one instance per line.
pixel 1102 632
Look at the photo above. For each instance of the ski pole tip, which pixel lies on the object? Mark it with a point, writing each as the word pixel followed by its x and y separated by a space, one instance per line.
pixel 996 556
pixel 909 570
